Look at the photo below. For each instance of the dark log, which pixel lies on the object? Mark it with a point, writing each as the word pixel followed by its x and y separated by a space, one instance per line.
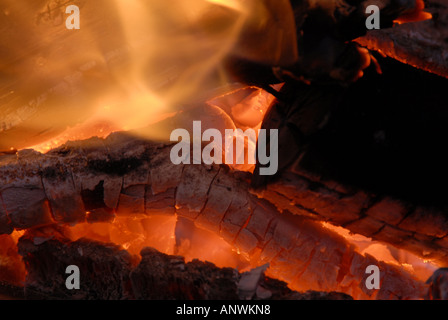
pixel 104 269
pixel 110 273
pixel 11 292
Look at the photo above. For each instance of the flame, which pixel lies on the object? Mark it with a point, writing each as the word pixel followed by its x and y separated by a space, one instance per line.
pixel 141 60
pixel 177 55
pixel 243 108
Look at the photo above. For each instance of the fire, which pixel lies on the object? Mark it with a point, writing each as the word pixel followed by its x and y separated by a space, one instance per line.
pixel 152 63
pixel 140 61
pixel 243 108
pixel 12 269
pixel 137 232
pixel 172 67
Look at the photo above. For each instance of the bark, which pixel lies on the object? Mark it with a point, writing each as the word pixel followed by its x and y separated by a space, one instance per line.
pixel 421 44
pixel 122 175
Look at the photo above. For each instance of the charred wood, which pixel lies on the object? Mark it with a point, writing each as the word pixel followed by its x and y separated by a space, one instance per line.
pixel 110 273
pixel 298 249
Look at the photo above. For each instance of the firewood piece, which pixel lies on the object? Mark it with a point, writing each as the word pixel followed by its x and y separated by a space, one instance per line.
pixel 220 196
pixel 421 44
pixel 110 273
pixel 28 214
pixel 237 215
pixel 367 226
pixel 193 189
pixel 66 204
pixel 164 174
pixel 412 236
pixel 389 210
pixel 132 200
pixel 104 269
pixel 330 204
pixel 438 285
pixel 5 222
pixel 361 160
pixel 159 276
pixel 11 292
pixel 427 221
pixel 35 211
pixel 161 203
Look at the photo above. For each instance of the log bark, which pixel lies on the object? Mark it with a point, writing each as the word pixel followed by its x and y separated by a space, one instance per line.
pixel 420 44
pixel 122 175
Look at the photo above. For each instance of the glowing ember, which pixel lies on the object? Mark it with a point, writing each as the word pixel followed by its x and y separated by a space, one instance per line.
pixel 12 269
pixel 138 232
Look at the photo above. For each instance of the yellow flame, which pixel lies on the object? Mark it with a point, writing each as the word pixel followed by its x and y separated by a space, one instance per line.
pixel 142 59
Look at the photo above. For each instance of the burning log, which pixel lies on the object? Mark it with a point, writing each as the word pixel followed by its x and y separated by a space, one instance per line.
pixel 97 180
pixel 421 44
pixel 121 175
pixel 156 276
pixel 352 162
pixel 417 229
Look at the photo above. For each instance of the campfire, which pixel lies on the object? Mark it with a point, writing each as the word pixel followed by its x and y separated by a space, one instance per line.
pixel 219 149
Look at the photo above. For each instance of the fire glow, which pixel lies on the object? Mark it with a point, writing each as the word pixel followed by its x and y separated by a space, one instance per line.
pixel 144 94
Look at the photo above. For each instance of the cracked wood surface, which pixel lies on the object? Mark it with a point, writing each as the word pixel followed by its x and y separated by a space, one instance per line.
pixel 156 276
pixel 96 179
pixel 418 229
pixel 421 44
